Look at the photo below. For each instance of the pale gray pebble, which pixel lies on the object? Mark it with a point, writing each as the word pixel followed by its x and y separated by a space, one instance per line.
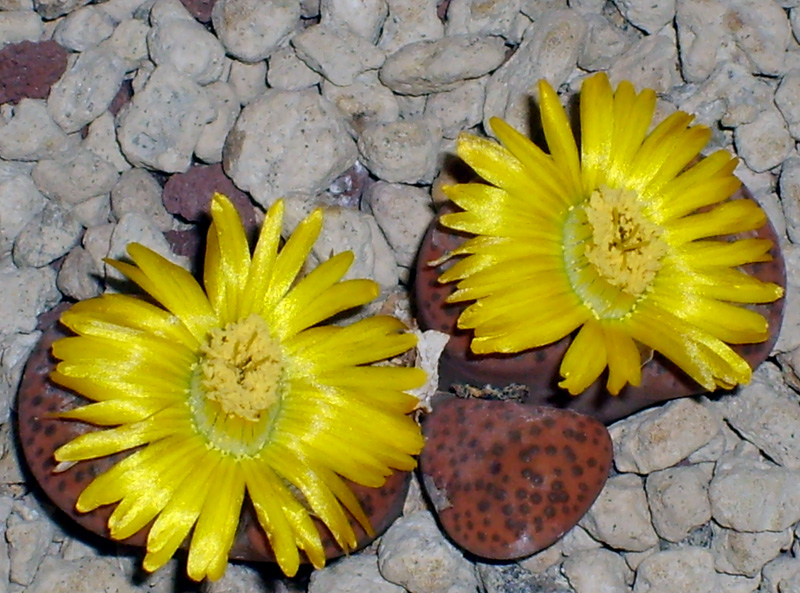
pixel 287 142
pixel 434 66
pixel 789 338
pixel 678 499
pixel 536 9
pixel 411 108
pixel 27 292
pixel 598 571
pixel 28 133
pixel 165 11
pixel 62 576
pixel 160 127
pixel 364 17
pixel 702 38
pixel 746 554
pixel 513 578
pixel 604 43
pixel 652 62
pixel 97 241
pixel 339 55
pixel 587 6
pixel 765 142
pixel 84 28
pixel 790 196
pixel 401 152
pixel 122 10
pixel 363 102
pixel 634 559
pixel 249 80
pixel 735 583
pixel 787 99
pixel 403 213
pixel 79 277
pixel 548 50
pixel 28 541
pixel 686 570
pixel 76 177
pixel 661 437
pixel 138 191
pixel 94 211
pixel 352 574
pixel 410 21
pixel 47 236
pixel 212 139
pixel 346 229
pixel 251 30
pixel 540 562
pixel 576 540
pixel 647 15
pixel 101 139
pixel 21 201
pixel 238 578
pixel 752 495
pixel 761 29
pixel 51 9
pixel 778 573
pixel 129 42
pixel 86 89
pixel 14 352
pixel 16 4
pixel 765 412
pixel 620 516
pixel 458 109
pixel 495 17
pixel 414 554
pixel 287 72
pixel 188 47
pixel 20 25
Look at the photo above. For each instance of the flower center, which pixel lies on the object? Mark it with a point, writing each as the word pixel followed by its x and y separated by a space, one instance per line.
pixel 238 385
pixel 625 246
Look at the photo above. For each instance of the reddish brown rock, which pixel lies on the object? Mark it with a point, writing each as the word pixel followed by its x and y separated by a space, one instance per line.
pixel 28 69
pixel 509 479
pixel 40 435
pixel 538 368
pixel 200 9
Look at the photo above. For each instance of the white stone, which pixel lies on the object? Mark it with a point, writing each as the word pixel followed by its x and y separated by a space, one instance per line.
pixel 62 576
pixel 746 553
pixel 604 43
pixel 648 15
pixel 287 72
pixel 434 66
pixel 620 516
pixel 16 4
pixel 26 293
pixel 541 561
pixel 735 583
pixel 337 54
pixel 410 21
pixel 790 196
pixel 129 42
pixel 761 29
pixel 138 191
pixel 21 201
pixel 458 109
pixel 86 89
pixel 31 134
pixel 79 276
pixel 238 578
pixel 251 30
pixel 702 38
pixel 135 227
pixel 160 127
pixel 678 499
pixel 212 138
pixel 364 17
pixel 14 352
pixel 789 338
pixel 49 235
pixel 248 80
pixel 577 540
pixel 189 48
pixel 652 62
pixel 634 559
pixel 101 140
pixel 686 570
pixel 353 574
pixel 765 142
pixel 411 107
pixel 84 28
pixel 787 99
pixel 20 25
pixel 493 17
pixel 51 9
pixel 346 229
pixel 76 177
pixel 122 10
pixel 28 541
pixel 96 241
pixel 287 142
pixel 413 553
pixel 597 571
pixel 750 495
pixel 401 152
pixel 779 572
pixel 363 102
pixel 662 437
pixel 548 50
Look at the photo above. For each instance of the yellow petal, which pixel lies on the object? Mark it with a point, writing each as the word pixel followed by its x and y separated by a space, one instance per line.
pixel 731 217
pixel 263 263
pixel 585 358
pixel 624 361
pixel 560 141
pixel 232 264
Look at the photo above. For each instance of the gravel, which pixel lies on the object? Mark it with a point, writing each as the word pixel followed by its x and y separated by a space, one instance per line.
pixel 354 105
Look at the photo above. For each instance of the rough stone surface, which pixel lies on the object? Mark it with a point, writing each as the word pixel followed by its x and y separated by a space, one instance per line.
pixel 29 68
pixel 401 152
pixel 31 134
pixel 764 142
pixel 746 553
pixel 49 235
pixel 597 571
pixel 458 109
pixel 496 17
pixel 356 574
pixel 251 30
pixel 137 191
pixel 364 102
pixel 17 26
pixel 212 139
pixel 649 16
pixel 686 569
pixel 26 293
pixel 678 500
pixel 409 21
pixel 363 17
pixel 84 28
pixel 74 178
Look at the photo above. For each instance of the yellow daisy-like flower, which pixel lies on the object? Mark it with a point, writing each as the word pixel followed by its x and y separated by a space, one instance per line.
pixel 620 239
pixel 238 389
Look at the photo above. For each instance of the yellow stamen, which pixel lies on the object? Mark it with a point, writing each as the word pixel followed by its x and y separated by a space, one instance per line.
pixel 626 246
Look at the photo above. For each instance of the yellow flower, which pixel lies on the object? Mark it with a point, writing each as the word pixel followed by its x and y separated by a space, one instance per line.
pixel 238 389
pixel 622 240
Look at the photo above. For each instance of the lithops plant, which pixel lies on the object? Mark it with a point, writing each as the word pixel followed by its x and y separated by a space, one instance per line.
pixel 508 479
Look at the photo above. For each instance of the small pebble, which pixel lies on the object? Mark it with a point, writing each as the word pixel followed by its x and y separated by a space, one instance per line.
pixel 28 69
